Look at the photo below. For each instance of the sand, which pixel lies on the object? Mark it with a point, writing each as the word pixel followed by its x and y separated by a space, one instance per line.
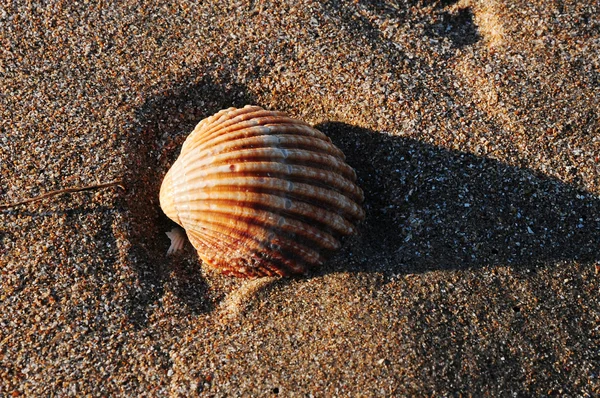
pixel 473 128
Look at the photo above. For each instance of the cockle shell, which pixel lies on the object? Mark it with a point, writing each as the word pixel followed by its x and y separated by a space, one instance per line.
pixel 259 193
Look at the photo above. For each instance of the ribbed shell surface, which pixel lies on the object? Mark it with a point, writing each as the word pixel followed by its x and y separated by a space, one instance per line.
pixel 260 193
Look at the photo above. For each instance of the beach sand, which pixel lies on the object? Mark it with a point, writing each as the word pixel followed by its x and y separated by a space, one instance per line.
pixel 473 128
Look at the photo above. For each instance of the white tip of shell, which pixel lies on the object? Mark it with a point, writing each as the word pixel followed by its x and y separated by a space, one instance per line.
pixel 178 238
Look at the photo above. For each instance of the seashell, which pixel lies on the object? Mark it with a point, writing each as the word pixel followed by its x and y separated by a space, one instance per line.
pixel 177 238
pixel 261 194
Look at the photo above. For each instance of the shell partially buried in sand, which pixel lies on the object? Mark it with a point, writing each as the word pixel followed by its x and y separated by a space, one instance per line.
pixel 259 193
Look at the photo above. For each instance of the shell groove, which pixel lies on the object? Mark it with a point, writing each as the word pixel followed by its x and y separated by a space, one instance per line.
pixel 259 193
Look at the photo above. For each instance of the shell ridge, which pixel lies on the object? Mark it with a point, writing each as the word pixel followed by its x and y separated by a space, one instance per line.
pixel 203 134
pixel 302 174
pixel 280 204
pixel 264 246
pixel 248 130
pixel 291 226
pixel 248 119
pixel 324 197
pixel 260 137
pixel 281 155
pixel 260 193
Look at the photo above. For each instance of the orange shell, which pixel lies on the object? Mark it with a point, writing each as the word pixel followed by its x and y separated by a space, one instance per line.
pixel 260 193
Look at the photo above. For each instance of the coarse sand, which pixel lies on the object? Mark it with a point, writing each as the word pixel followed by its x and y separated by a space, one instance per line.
pixel 473 127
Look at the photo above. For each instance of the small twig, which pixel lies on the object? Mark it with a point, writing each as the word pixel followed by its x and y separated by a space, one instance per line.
pixel 117 183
